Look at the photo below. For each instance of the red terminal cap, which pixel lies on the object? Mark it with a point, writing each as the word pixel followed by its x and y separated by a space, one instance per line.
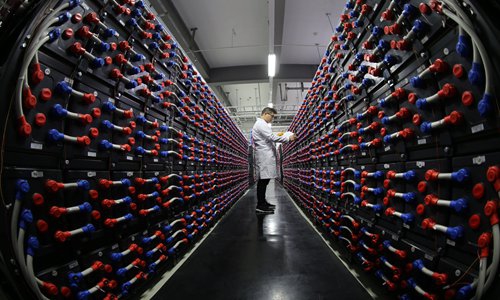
pixel 431 200
pixel 439 66
pixel 38 199
pixel 493 173
pixel 83 140
pixel 424 8
pixel 478 191
pixel 417 119
pixel 37 75
pixel 96 112
pixel 40 119
pixel 50 288
pixel 76 18
pixel 94 132
pixel 412 98
pixel 467 98
pixel 45 94
pixel 422 186
pixel 447 91
pixel 29 98
pixel 431 175
pixel 88 98
pixel 440 278
pixel 42 226
pixel 67 34
pixel 490 210
pixel 62 236
pixel 93 194
pixel 458 71
pixel 483 242
pixel 428 223
pixel 53 186
pixel 420 209
pixel 475 221
pixel 95 214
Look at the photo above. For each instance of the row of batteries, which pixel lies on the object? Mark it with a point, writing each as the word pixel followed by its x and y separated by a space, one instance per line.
pixel 397 161
pixel 107 82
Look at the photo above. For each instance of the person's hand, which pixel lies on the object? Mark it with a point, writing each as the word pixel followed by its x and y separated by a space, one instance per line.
pixel 293 137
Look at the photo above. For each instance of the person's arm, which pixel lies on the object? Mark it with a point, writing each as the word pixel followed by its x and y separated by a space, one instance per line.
pixel 267 133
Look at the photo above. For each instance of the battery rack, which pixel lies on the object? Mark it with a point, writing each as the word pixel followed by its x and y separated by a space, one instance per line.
pixel 116 155
pixel 398 159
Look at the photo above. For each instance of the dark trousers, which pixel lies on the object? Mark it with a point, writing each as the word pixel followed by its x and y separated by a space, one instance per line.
pixel 261 191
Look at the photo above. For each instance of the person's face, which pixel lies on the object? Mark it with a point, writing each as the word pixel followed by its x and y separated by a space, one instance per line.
pixel 268 117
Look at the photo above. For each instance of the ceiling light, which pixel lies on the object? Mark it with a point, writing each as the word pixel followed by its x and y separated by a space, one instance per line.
pixel 271 65
pixel 270 104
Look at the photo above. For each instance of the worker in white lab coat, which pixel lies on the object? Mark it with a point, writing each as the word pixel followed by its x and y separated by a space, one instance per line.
pixel 265 155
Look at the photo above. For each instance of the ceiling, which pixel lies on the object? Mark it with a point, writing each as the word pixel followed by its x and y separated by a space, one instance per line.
pixel 228 41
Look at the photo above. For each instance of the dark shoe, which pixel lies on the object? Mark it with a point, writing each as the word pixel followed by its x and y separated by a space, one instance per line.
pixel 264 210
pixel 270 205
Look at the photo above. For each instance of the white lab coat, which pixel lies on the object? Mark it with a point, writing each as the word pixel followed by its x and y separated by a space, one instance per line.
pixel 265 149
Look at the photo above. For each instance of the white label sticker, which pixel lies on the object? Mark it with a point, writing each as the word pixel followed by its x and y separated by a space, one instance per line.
pixel 36 174
pixel 362 167
pixel 387 148
pixel 130 158
pixel 477 128
pixel 91 154
pixel 155 160
pixel 420 164
pixel 157 173
pixel 36 146
pixel 406 226
pixel 91 174
pixel 429 257
pixel 395 237
pixel 73 265
pixel 115 246
pixel 387 166
pixel 478 160
pixel 450 242
pixel 130 174
pixel 422 141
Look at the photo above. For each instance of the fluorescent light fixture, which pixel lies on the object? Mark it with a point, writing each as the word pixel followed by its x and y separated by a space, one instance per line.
pixel 271 65
pixel 270 104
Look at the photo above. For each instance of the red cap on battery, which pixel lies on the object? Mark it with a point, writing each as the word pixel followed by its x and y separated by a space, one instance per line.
pixel 475 221
pixel 478 191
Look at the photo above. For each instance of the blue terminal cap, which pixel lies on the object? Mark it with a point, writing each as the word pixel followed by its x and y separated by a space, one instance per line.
pixel 485 105
pixel 159 27
pixel 459 205
pixel 339 29
pixel 54 34
pixel 417 82
pixel 359 56
pixel 105 145
pixel 384 45
pixel 411 282
pixel 132 22
pixel 137 57
pixel 455 233
pixel 460 175
pixel 103 46
pixel 409 10
pixel 418 264
pixel 385 121
pixel 62 87
pixel 107 124
pixel 62 18
pixel 127 200
pixel 85 207
pixel 377 31
pixel 88 228
pixel 422 103
pixel 33 245
pixel 133 70
pixel 389 59
pixel 386 243
pixel 174 45
pixel 377 207
pixel 55 136
pixel 136 12
pixel 156 36
pixel 140 4
pixel 354 13
pixel 426 127
pixel 26 218
pixel 83 184
pixel 131 84
pixel 171 251
pixel 97 62
pixel 22 187
pixel 464 292
pixel 73 3
pixel 378 191
pixel 83 295
pixel 409 175
pixel 463 46
pixel 121 272
pixel 476 74
pixel 407 218
pixel 108 106
pixel 419 26
pixel 349 4
pixel 367 82
pixel 139 150
pixel 141 119
pixel 59 111
pixel 109 32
